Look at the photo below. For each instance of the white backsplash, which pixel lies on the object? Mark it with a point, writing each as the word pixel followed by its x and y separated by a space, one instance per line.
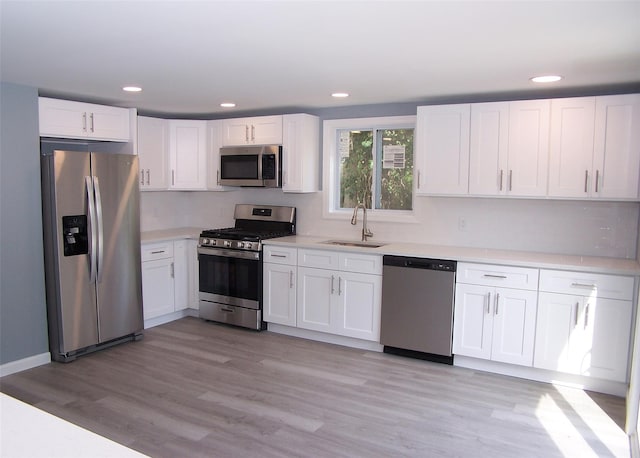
pixel 551 226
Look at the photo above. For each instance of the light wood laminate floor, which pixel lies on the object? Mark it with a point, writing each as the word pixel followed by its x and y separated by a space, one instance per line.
pixel 195 388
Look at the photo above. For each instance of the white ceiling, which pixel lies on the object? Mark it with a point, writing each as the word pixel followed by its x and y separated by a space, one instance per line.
pixel 271 55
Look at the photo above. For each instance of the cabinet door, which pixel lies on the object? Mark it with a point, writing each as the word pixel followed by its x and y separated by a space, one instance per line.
pixel 558 334
pixel 187 154
pixel 607 325
pixel 62 118
pixel 514 326
pixel 360 298
pixel 473 321
pixel 528 151
pixel 617 146
pixel 235 132
pixel 180 275
pixel 265 130
pixel 315 304
pixel 279 294
pixel 153 153
pixel 109 123
pixel 214 142
pixel 300 153
pixel 571 147
pixel 488 148
pixel 442 147
pixel 157 287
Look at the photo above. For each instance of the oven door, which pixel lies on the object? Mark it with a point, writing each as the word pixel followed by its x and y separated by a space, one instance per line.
pixel 230 277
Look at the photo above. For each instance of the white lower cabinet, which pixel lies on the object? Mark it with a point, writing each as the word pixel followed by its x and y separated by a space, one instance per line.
pixel 166 277
pixel 584 324
pixel 491 322
pixel 279 285
pixel 344 297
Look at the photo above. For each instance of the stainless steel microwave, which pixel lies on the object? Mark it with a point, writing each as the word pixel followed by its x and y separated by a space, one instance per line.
pixel 255 166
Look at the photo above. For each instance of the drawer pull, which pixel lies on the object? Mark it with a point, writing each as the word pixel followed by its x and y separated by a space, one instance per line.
pixel 278 255
pixel 502 277
pixel 224 309
pixel 583 285
pixel 157 252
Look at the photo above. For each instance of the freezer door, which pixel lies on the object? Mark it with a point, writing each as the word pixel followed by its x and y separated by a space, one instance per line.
pixel 71 298
pixel 119 287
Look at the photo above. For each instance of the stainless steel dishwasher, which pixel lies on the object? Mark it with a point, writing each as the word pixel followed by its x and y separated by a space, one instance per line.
pixel 417 307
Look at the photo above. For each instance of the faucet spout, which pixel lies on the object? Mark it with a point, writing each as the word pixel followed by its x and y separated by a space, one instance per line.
pixel 354 220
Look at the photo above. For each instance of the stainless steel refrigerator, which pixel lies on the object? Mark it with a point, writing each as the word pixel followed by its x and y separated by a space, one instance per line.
pixel 91 224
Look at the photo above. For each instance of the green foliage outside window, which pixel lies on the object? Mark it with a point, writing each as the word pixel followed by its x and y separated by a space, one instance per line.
pixel 364 178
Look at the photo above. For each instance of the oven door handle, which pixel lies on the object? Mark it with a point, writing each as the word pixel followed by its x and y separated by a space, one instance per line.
pixel 253 255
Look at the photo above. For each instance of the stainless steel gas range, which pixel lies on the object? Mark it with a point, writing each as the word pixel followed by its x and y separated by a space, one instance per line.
pixel 230 263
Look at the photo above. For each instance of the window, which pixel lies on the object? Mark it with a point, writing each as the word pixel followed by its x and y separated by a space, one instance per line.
pixel 370 161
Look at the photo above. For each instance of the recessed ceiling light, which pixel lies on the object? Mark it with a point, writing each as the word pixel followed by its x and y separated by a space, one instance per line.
pixel 132 89
pixel 546 79
pixel 339 95
pixel 227 105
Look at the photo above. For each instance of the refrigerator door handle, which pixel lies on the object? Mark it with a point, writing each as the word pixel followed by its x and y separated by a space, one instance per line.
pixel 91 209
pixel 96 186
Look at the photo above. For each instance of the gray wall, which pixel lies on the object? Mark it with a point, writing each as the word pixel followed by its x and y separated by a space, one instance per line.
pixel 23 316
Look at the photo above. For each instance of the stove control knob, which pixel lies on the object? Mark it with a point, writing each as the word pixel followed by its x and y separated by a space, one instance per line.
pixel 227 243
pixel 241 245
pixel 205 241
pixel 212 241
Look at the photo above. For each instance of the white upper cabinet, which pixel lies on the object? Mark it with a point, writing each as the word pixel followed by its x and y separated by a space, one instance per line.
pixel 616 156
pixel 67 119
pixel 488 148
pixel 188 154
pixel 571 147
pixel 153 145
pixel 300 153
pixel 528 148
pixel 260 130
pixel 442 150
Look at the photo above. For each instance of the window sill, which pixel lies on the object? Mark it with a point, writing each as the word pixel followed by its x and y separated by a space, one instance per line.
pixel 387 216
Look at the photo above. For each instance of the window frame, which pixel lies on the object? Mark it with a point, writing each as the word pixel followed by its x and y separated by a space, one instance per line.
pixel 331 176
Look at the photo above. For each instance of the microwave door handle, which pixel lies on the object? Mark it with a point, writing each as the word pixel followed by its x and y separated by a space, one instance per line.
pixel 260 177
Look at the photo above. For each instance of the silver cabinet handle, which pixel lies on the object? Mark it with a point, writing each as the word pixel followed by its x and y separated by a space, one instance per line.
pixel 246 133
pixel 575 320
pixel 142 177
pixel 597 179
pixel 332 288
pixel 84 122
pixel 91 119
pixel 278 255
pixel 501 175
pixel 339 286
pixel 586 315
pixel 218 177
pixel 502 277
pixel 586 180
pixel 157 252
pixel 173 177
pixel 496 300
pixel 173 271
pixel 488 303
pixel 583 285
pixel 510 180
pixel 418 179
pixel 148 177
pixel 291 279
pixel 253 133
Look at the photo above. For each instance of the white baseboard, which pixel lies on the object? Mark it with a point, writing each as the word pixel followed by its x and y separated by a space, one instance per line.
pixel 157 321
pixel 542 375
pixel 324 337
pixel 24 364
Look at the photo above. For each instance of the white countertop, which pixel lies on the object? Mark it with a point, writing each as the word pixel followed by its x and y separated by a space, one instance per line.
pixel 466 254
pixel 26 431
pixel 170 234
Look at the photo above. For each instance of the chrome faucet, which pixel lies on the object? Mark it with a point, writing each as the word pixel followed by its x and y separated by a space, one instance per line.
pixel 354 220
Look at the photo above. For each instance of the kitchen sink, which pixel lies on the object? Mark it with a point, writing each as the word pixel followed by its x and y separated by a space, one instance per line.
pixel 354 243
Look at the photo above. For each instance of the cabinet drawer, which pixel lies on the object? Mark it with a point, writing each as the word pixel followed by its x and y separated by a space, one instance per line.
pixel 153 251
pixel 280 255
pixel 320 259
pixel 586 284
pixel 363 263
pixel 494 275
